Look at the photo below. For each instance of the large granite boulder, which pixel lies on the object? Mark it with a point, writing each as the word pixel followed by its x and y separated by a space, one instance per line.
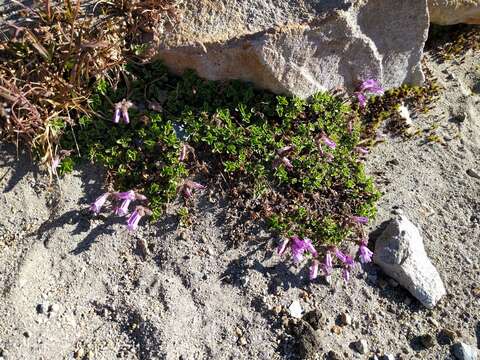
pixel 449 12
pixel 300 46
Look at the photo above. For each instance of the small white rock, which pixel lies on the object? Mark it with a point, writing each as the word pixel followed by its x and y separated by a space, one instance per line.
pixel 399 251
pixel 295 309
pixel 405 114
pixel 462 351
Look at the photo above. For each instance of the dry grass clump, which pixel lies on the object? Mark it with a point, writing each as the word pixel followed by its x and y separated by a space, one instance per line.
pixel 53 54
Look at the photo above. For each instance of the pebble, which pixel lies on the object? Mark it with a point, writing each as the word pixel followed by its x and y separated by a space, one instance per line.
pixel 388 357
pixel 462 351
pixel 79 354
pixel 332 355
pixel 242 341
pixel 449 334
pixel 427 340
pixel 277 309
pixel 42 308
pixel 336 329
pixel 473 173
pixel 295 310
pixel 345 319
pixel 361 346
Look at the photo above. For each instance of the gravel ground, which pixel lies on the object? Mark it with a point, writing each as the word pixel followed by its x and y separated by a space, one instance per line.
pixel 76 287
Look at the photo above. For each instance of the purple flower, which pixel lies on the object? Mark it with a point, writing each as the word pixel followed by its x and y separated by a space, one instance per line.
pixel 327 265
pixel 116 114
pixel 345 259
pixel 187 187
pixel 313 272
pixel 287 163
pixel 55 164
pixel 99 202
pixel 361 150
pixel 362 99
pixel 285 150
pixel 348 263
pixel 121 111
pixel 369 86
pixel 282 247
pixel 122 210
pixel 329 142
pixel 299 246
pixel 340 255
pixel 134 218
pixel 309 247
pixel 362 220
pixel 127 195
pixel 365 253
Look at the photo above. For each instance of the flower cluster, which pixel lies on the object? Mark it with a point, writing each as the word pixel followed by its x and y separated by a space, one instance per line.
pixel 122 202
pixel 299 247
pixel 369 86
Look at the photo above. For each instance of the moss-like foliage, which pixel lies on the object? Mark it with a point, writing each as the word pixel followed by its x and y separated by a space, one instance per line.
pixel 237 133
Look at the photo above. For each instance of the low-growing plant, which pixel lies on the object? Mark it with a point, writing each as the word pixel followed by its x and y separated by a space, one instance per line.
pixel 298 164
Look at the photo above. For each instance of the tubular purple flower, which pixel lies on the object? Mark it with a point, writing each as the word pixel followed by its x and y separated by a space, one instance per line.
pixel 116 114
pixel 340 255
pixel 365 253
pixel 125 106
pixel 96 206
pixel 140 197
pixel 329 142
pixel 188 186
pixel 55 164
pixel 122 210
pixel 327 265
pixel 127 195
pixel 134 218
pixel 361 150
pixel 287 163
pixel 313 272
pixel 362 99
pixel 297 246
pixel 282 247
pixel 362 220
pixel 371 86
pixel 284 150
pixel 309 247
pixel 346 274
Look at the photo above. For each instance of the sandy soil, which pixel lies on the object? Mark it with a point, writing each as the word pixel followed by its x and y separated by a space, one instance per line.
pixel 77 287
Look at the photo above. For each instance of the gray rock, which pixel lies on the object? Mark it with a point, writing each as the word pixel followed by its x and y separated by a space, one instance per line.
pixel 361 346
pixel 388 357
pixel 300 47
pixel 399 251
pixel 473 173
pixel 463 351
pixel 449 12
